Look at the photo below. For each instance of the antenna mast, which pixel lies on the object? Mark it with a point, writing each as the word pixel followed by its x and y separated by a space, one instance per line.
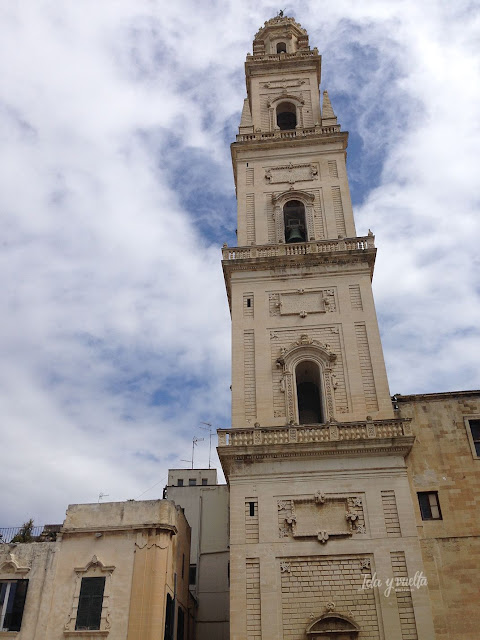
pixel 194 442
pixel 210 438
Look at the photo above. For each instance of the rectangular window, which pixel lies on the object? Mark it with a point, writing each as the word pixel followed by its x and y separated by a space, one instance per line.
pixel 192 482
pixel 475 431
pixel 204 481
pixel 90 602
pixel 12 603
pixel 180 482
pixel 169 617
pixel 429 505
pixel 180 624
pixel 192 574
pixel 183 565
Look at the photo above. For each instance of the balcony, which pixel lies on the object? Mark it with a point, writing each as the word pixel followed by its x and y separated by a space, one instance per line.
pixel 371 437
pixel 302 53
pixel 331 432
pixel 300 249
pixel 288 134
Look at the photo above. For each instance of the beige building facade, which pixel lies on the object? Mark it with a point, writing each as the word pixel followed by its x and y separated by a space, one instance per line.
pixel 444 474
pixel 206 507
pixel 324 535
pixel 116 570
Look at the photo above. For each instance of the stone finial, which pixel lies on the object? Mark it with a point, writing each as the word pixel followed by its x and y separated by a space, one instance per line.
pixel 246 119
pixel 328 115
pixel 327 109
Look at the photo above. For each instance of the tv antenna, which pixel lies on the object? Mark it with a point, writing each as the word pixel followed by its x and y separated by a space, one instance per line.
pixel 102 495
pixel 194 443
pixel 208 428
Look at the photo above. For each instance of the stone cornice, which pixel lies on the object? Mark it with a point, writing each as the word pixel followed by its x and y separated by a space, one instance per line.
pixel 279 256
pixel 441 395
pixel 369 438
pixel 168 528
pixel 235 457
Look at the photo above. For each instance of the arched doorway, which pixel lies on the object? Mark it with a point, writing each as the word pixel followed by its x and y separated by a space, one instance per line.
pixel 309 400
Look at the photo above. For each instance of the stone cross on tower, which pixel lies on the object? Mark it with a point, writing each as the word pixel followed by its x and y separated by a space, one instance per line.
pixel 315 456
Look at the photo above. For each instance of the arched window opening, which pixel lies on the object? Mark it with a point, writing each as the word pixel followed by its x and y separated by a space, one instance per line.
pixel 307 375
pixel 281 47
pixel 294 221
pixel 286 116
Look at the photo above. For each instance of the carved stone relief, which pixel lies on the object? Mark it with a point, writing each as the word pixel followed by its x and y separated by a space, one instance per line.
pixel 321 516
pixel 10 565
pixel 291 173
pixel 284 84
pixel 316 345
pixel 302 302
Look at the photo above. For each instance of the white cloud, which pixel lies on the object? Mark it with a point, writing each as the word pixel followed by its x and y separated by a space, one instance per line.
pixel 116 189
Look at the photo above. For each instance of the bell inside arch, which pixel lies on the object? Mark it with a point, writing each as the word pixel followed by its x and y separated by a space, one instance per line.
pixel 294 219
pixel 295 232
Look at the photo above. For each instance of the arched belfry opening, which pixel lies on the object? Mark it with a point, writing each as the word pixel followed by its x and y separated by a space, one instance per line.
pixel 294 220
pixel 309 400
pixel 286 116
pixel 281 47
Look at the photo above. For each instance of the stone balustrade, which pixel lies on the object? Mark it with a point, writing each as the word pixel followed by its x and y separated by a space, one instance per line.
pixel 290 133
pixel 302 248
pixel 295 55
pixel 331 432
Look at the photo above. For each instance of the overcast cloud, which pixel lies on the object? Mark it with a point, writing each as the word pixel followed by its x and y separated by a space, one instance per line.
pixel 117 192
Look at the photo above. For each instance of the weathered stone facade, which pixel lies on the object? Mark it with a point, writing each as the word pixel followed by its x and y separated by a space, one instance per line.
pixel 444 461
pixel 139 551
pixel 323 538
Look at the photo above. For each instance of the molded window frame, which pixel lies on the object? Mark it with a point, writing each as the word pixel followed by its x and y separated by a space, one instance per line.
pixel 93 569
pixel 473 441
pixel 436 504
pixel 12 602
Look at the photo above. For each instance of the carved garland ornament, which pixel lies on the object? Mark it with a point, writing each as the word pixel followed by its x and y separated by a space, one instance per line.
pixel 321 516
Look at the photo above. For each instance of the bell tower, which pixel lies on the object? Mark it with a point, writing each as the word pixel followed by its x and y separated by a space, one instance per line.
pixel 306 346
pixel 319 497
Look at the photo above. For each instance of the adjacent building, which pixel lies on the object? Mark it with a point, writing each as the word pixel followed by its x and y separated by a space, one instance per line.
pixel 116 570
pixel 206 507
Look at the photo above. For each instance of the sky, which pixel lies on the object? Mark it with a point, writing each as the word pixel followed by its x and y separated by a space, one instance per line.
pixel 116 194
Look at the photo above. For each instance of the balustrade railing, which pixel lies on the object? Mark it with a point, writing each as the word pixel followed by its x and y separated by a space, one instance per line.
pixel 302 248
pixel 331 432
pixel 41 533
pixel 290 133
pixel 303 53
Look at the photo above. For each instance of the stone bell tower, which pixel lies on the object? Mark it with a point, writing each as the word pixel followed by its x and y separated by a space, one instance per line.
pixel 319 497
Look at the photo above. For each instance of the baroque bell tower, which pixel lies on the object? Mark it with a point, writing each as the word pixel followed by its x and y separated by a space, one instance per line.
pixel 319 495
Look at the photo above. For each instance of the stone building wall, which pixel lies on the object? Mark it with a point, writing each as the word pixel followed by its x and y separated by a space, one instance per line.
pixel 444 460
